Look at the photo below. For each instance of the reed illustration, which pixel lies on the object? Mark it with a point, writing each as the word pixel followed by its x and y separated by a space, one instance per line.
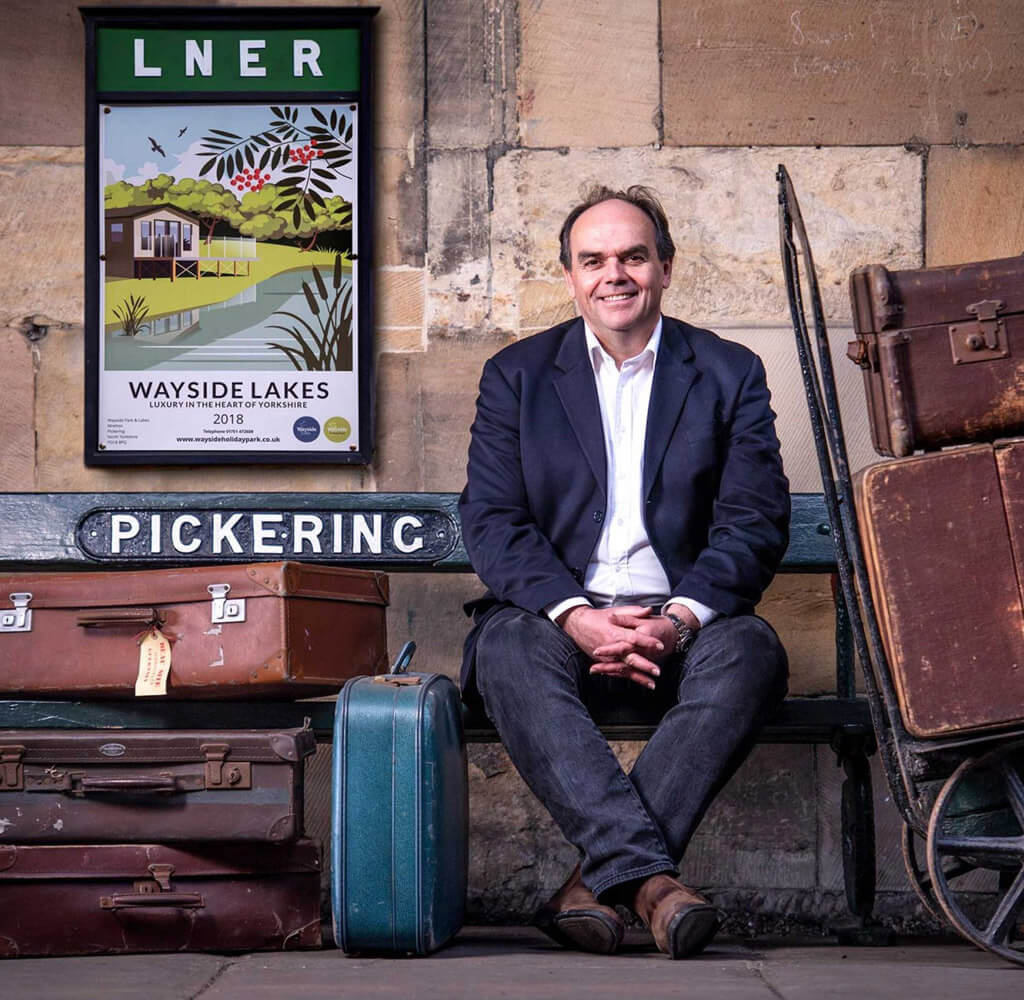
pixel 131 314
pixel 330 348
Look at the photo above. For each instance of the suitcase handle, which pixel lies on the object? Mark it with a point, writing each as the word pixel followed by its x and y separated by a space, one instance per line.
pixel 107 617
pixel 128 783
pixel 177 900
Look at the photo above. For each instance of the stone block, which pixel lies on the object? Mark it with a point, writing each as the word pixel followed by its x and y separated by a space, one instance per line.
pixel 761 831
pixel 800 608
pixel 400 213
pixel 398 84
pixel 17 413
pixel 471 71
pixel 858 73
pixel 425 405
pixel 588 75
pixel 426 608
pixel 543 302
pixel 399 299
pixel 41 228
pixel 42 75
pixel 859 206
pixel 972 204
pixel 457 209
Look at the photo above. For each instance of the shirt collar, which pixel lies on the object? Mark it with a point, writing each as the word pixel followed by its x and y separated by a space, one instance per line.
pixel 599 356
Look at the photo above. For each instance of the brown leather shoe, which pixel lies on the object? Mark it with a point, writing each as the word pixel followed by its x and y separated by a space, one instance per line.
pixel 575 919
pixel 681 920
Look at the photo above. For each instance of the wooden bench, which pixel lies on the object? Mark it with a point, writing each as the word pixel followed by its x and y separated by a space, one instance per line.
pixel 394 532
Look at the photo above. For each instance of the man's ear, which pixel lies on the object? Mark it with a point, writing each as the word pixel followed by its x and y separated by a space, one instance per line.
pixel 667 270
pixel 569 283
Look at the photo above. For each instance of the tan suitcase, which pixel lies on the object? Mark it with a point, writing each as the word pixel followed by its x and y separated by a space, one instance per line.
pixel 944 539
pixel 239 631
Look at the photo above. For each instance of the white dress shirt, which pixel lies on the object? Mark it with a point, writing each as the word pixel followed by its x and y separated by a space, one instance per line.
pixel 624 568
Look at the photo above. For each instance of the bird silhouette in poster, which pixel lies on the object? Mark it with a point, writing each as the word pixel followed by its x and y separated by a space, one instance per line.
pixel 157 148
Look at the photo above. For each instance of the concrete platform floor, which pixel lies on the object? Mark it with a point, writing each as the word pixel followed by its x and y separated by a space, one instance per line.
pixel 487 963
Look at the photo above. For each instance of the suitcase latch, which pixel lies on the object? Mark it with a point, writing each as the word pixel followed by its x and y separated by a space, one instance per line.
pixel 225 610
pixel 18 618
pixel 11 772
pixel 222 773
pixel 161 875
pixel 982 340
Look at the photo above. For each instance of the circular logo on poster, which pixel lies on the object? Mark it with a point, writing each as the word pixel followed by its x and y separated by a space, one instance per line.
pixel 306 429
pixel 337 429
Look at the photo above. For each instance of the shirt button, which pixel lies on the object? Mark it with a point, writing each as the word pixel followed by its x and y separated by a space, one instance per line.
pixel 599 516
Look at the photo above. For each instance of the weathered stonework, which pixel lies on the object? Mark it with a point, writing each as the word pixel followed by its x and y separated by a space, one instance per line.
pixel 973 199
pixel 863 72
pixel 588 73
pixel 17 412
pixel 859 206
pixel 41 258
pixel 471 51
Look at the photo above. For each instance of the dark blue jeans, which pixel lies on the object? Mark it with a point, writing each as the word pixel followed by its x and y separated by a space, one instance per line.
pixel 537 689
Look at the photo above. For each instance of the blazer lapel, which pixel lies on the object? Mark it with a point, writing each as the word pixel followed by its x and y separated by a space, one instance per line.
pixel 575 386
pixel 673 376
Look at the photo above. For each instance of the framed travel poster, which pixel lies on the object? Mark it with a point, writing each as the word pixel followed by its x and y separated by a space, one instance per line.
pixel 229 306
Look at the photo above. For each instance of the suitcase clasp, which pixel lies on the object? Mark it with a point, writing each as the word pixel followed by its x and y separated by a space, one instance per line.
pixel 982 340
pixel 11 772
pixel 223 609
pixel 18 618
pixel 223 774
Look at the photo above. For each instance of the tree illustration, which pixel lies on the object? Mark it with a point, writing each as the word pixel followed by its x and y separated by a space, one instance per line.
pixel 311 155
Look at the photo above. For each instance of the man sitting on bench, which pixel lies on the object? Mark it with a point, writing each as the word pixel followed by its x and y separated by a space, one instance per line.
pixel 626 507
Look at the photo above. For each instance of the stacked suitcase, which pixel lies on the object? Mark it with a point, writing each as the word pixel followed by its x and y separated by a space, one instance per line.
pixel 942 351
pixel 143 840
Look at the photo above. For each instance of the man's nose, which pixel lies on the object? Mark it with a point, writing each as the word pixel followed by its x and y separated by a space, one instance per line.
pixel 615 271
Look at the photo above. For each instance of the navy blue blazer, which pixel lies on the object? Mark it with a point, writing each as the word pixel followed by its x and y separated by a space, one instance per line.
pixel 716 501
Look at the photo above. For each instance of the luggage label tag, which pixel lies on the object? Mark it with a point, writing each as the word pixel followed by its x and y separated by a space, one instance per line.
pixel 154 663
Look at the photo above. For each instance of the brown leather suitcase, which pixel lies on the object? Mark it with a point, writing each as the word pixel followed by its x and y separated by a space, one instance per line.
pixel 117 898
pixel 944 537
pixel 281 629
pixel 942 350
pixel 88 786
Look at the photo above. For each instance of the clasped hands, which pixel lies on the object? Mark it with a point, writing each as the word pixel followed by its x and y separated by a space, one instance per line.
pixel 629 641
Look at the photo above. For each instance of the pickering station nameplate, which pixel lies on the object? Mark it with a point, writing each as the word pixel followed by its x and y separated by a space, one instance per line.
pixel 204 534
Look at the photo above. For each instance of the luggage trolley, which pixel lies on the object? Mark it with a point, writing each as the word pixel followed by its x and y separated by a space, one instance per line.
pixel 960 795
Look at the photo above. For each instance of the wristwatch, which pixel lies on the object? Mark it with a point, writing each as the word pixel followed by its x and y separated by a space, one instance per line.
pixel 686 634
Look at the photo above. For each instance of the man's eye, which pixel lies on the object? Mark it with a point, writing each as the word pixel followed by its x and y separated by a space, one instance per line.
pixel 636 258
pixel 591 263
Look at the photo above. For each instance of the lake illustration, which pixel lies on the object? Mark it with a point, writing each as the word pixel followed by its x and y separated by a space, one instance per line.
pixel 237 334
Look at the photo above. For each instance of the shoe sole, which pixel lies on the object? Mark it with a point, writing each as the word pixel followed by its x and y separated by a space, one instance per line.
pixel 583 931
pixel 692 930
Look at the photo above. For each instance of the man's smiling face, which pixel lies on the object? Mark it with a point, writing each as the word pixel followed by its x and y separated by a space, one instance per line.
pixel 615 275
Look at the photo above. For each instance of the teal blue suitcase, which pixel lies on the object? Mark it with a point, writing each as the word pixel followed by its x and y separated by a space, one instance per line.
pixel 400 819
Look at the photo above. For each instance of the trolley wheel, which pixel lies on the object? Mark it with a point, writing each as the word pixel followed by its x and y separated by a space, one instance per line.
pixel 918 874
pixel 977 825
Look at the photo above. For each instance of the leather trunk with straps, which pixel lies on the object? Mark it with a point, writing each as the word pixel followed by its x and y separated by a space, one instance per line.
pixel 233 631
pixel 96 899
pixel 942 351
pixel 90 786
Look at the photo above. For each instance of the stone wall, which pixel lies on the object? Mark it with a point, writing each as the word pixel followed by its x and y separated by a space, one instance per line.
pixel 901 124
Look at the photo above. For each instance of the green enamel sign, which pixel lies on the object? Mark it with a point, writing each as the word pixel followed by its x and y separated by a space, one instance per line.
pixel 161 60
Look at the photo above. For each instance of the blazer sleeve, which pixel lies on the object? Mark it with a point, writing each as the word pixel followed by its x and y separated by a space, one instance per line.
pixel 749 526
pixel 507 547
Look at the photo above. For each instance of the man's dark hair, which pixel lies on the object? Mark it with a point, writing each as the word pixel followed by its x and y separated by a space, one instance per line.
pixel 636 194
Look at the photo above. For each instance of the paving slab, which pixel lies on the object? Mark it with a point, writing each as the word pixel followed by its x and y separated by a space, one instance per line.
pixel 487 963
